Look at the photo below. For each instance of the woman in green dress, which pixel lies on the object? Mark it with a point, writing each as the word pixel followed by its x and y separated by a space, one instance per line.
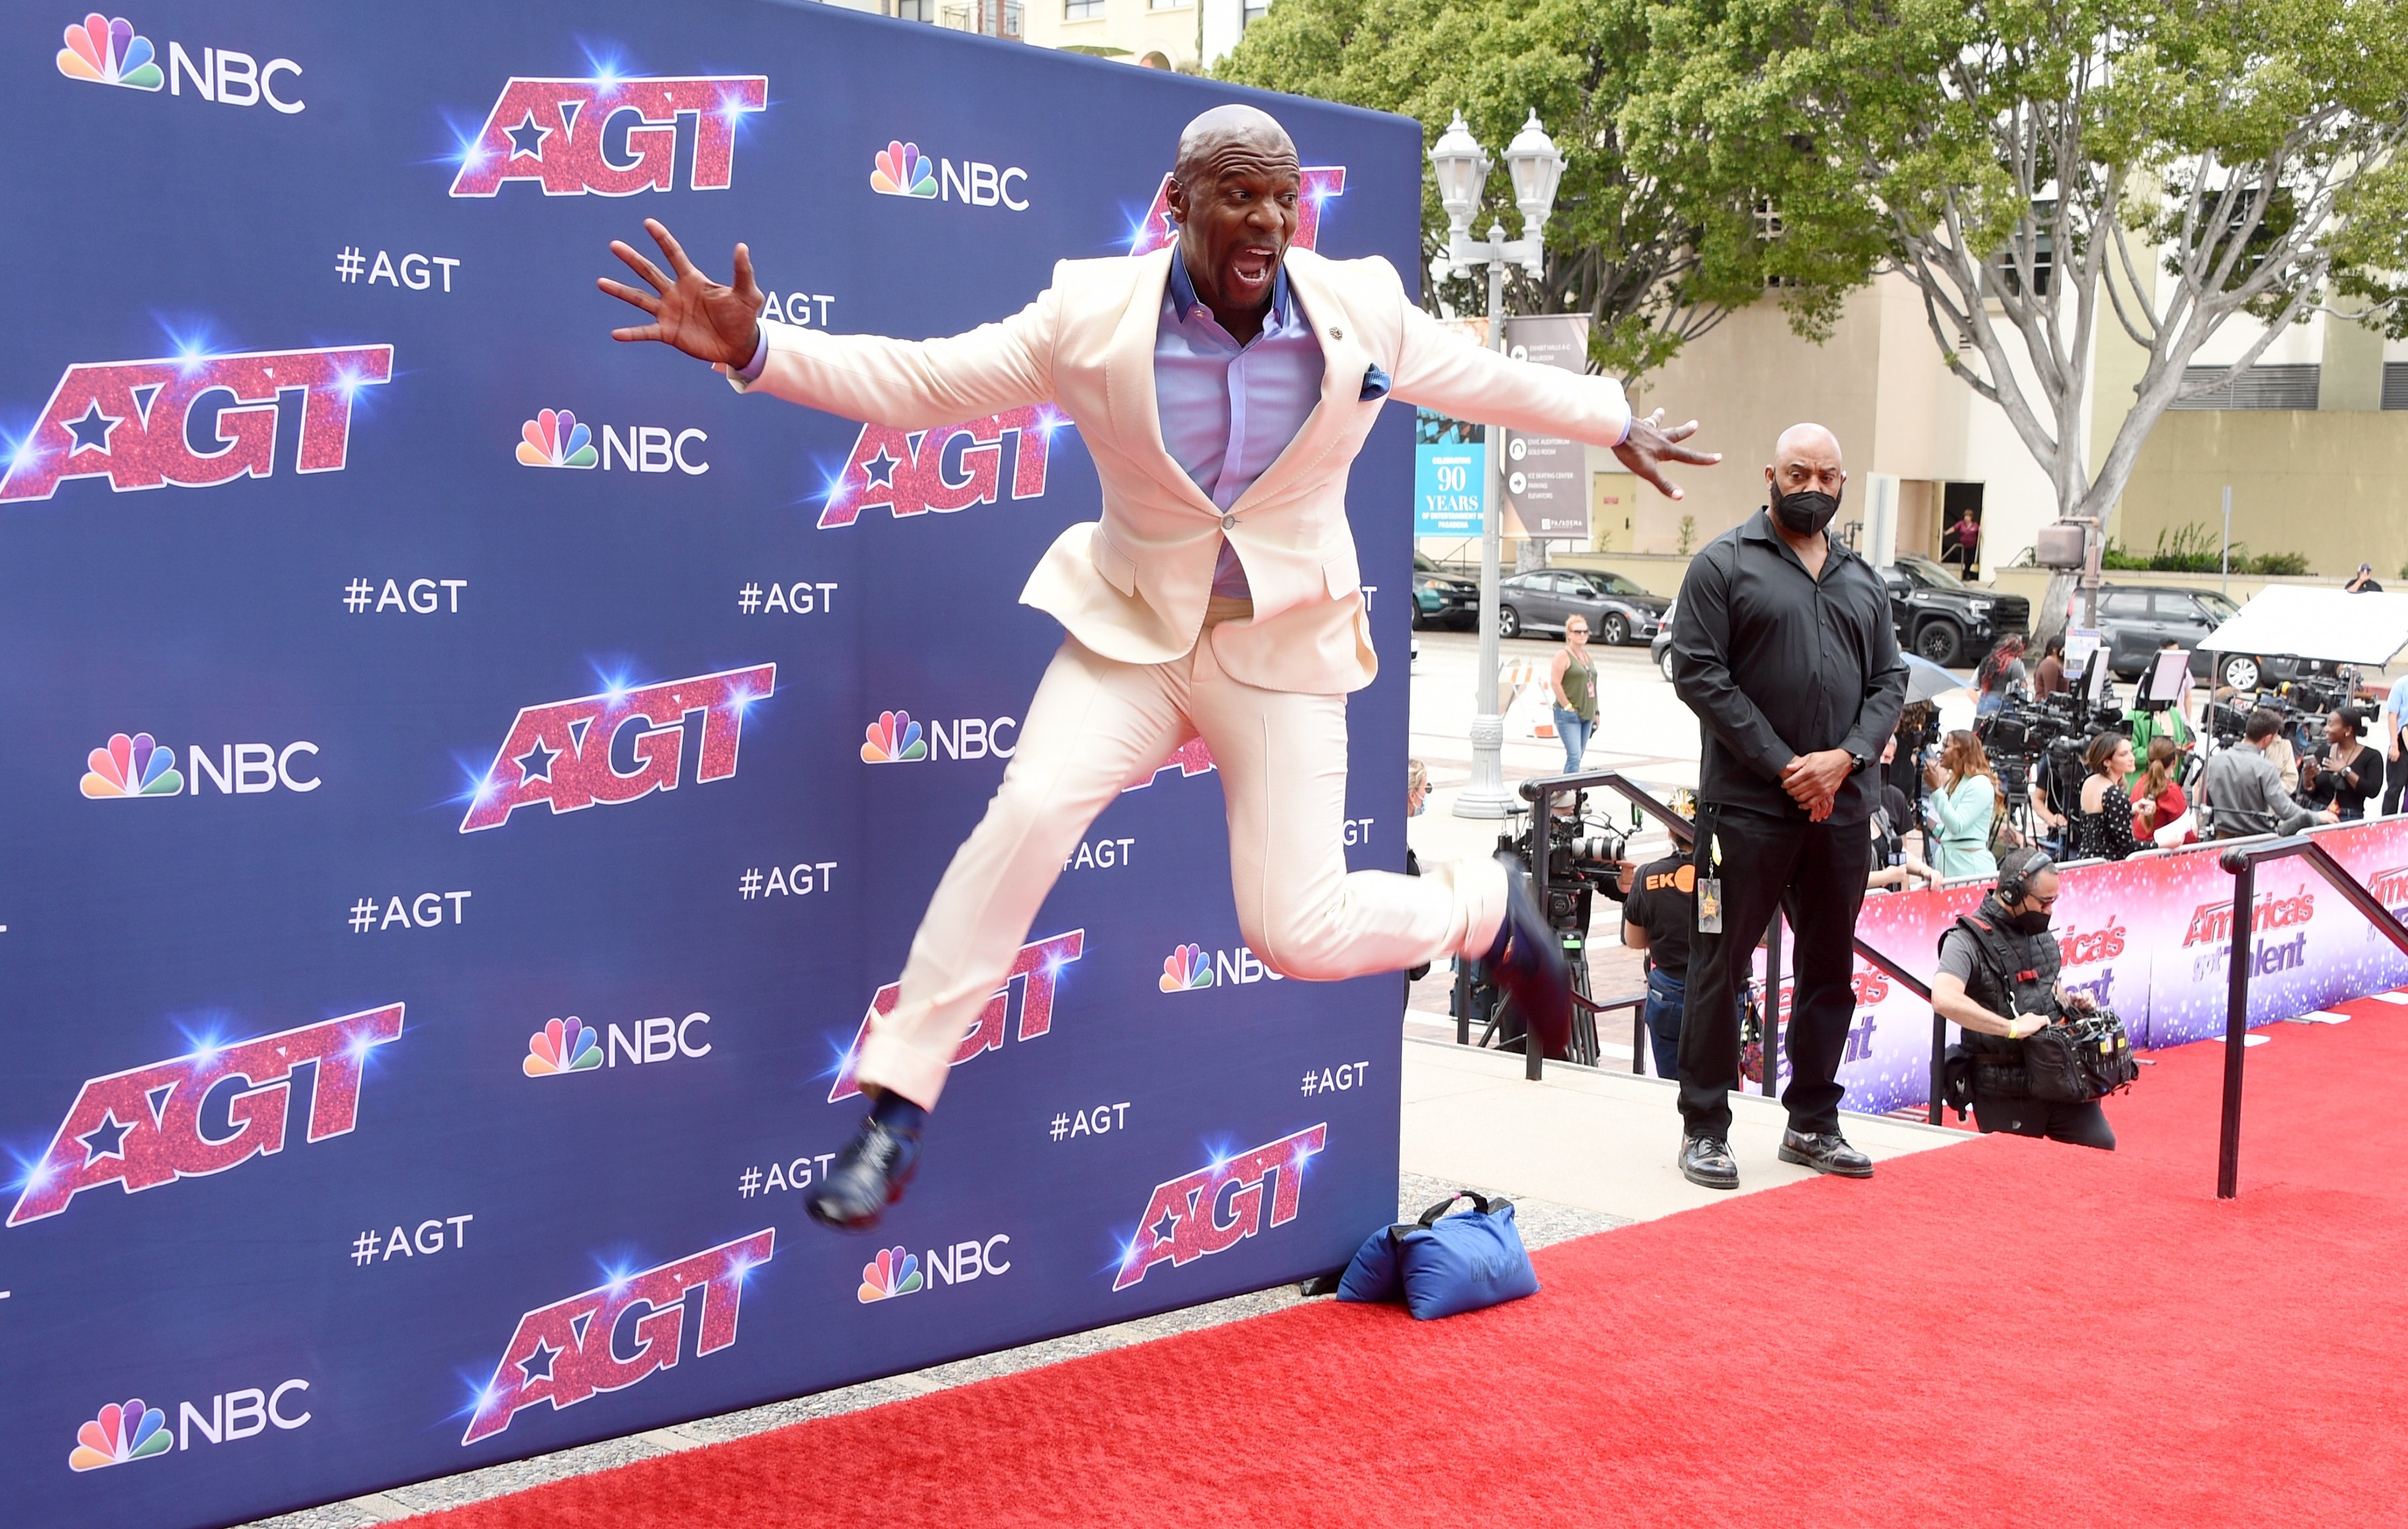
pixel 1962 807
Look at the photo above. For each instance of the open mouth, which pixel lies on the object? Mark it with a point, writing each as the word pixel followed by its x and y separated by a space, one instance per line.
pixel 1252 267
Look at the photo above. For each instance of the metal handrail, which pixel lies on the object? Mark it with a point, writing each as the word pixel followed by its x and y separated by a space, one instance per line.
pixel 1541 793
pixel 2242 860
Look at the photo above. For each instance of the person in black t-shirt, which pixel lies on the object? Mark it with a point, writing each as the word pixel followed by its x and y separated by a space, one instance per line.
pixel 1656 917
pixel 2346 773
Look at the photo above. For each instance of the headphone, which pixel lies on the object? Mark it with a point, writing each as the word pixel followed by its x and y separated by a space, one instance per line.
pixel 2018 872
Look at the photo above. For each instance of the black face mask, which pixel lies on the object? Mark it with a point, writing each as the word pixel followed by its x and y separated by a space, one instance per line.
pixel 1805 512
pixel 2030 920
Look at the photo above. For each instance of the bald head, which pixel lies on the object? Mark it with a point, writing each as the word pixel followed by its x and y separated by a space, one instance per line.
pixel 1803 440
pixel 1240 126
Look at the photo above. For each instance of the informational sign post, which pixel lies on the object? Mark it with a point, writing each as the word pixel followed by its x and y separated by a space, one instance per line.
pixel 1449 480
pixel 471 781
pixel 1546 477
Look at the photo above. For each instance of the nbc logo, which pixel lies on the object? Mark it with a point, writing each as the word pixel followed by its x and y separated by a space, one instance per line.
pixel 106 53
pixel 554 438
pixel 131 1431
pixel 562 1046
pixel 894 738
pixel 1189 966
pixel 135 766
pixel 893 1272
pixel 902 170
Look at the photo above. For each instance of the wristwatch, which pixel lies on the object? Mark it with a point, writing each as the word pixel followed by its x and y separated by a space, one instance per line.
pixel 1856 762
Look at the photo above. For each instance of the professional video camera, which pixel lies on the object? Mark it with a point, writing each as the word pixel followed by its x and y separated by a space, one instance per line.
pixel 1583 857
pixel 2045 740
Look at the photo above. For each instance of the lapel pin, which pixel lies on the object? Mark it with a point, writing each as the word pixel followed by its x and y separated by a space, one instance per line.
pixel 1336 333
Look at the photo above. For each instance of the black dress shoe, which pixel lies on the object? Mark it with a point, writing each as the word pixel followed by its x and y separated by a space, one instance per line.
pixel 1707 1162
pixel 1826 1152
pixel 1527 961
pixel 868 1175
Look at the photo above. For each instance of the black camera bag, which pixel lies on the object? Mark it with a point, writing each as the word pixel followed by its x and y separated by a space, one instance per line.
pixel 2078 1059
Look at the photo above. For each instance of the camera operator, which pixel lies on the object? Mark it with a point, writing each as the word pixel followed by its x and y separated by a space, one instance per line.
pixel 2048 677
pixel 2395 745
pixel 1997 982
pixel 1657 915
pixel 2346 774
pixel 2244 790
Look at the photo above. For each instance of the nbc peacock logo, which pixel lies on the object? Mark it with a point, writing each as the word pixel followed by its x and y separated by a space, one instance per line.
pixel 568 1045
pixel 894 738
pixel 1188 967
pixel 135 766
pixel 122 1432
pixel 554 438
pixel 893 1272
pixel 903 171
pixel 106 52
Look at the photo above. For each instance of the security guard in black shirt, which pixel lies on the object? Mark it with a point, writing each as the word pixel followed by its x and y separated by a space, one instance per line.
pixel 1783 646
pixel 1997 982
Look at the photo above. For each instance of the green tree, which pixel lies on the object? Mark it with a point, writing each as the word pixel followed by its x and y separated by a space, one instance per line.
pixel 2027 163
pixel 1654 262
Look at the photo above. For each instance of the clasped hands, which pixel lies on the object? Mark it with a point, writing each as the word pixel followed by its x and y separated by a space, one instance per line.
pixel 1814 780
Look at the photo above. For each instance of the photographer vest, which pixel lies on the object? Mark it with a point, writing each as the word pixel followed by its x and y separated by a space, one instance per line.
pixel 2014 973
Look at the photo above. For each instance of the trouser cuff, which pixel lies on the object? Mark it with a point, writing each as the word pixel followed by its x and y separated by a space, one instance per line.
pixel 890 1064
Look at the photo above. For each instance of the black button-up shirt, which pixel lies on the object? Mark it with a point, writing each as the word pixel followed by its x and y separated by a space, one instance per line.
pixel 1777 664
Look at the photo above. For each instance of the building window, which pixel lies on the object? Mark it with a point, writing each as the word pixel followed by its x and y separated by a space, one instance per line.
pixel 1250 13
pixel 2395 384
pixel 1168 5
pixel 915 10
pixel 1082 10
pixel 2259 387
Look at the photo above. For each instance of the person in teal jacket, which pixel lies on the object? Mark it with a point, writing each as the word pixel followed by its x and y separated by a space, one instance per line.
pixel 1962 806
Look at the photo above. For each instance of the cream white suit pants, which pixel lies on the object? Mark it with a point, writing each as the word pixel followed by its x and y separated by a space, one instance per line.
pixel 1095 726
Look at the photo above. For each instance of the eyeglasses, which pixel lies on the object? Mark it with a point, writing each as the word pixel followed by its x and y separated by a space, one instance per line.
pixel 2038 901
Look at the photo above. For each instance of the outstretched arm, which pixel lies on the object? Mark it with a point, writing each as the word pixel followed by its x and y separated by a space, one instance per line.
pixel 907 385
pixel 1444 370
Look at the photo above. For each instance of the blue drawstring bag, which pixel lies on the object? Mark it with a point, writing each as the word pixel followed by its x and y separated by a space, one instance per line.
pixel 1441 1264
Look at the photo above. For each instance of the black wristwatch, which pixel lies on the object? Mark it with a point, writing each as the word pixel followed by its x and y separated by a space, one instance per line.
pixel 1856 762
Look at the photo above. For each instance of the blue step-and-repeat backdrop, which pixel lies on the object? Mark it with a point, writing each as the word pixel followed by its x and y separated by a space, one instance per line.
pixel 469 781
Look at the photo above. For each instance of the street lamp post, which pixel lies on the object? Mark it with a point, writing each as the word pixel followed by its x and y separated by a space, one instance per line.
pixel 1461 166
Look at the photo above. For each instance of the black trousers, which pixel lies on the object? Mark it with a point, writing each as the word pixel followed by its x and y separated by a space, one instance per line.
pixel 1817 872
pixel 2395 783
pixel 2083 1125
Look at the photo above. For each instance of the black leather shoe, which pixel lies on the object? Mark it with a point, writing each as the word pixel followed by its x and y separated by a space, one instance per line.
pixel 1824 1152
pixel 1707 1162
pixel 1529 963
pixel 868 1175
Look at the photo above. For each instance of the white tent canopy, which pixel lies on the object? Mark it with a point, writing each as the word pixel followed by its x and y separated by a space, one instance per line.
pixel 2368 630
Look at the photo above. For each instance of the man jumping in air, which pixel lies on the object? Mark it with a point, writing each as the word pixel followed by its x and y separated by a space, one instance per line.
pixel 1222 386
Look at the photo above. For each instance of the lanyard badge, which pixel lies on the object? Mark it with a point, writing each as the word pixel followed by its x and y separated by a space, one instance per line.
pixel 1710 888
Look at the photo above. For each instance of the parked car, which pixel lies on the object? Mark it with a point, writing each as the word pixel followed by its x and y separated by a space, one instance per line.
pixel 2134 618
pixel 1944 618
pixel 1661 648
pixel 1616 609
pixel 1441 599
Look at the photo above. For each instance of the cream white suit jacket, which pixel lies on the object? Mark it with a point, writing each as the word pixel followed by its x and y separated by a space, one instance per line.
pixel 1133 586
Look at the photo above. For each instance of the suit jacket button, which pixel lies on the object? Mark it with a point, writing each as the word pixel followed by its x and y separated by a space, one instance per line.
pixel 1227 522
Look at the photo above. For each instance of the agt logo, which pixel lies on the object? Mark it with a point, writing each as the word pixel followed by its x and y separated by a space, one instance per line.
pixel 126 1431
pixel 945 469
pixel 897 1271
pixel 609 136
pixel 2103 944
pixel 2212 921
pixel 562 754
pixel 141 1128
pixel 141 767
pixel 571 1045
pixel 554 438
pixel 894 738
pixel 1037 969
pixel 901 170
pixel 136 420
pixel 1218 1205
pixel 1318 186
pixel 2391 888
pixel 106 51
pixel 1192 966
pixel 565 1352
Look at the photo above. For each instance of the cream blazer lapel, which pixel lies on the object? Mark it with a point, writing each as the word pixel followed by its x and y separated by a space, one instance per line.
pixel 1128 383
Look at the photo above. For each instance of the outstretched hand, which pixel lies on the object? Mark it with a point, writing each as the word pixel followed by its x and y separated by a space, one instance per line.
pixel 1650 445
pixel 709 321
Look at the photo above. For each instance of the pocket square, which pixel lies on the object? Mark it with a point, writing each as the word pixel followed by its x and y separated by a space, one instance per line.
pixel 1375 384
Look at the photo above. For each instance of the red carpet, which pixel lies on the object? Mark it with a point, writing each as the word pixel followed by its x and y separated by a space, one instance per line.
pixel 2006 1332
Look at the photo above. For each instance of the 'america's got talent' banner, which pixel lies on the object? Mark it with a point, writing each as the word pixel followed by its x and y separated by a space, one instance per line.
pixel 470 781
pixel 2150 937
